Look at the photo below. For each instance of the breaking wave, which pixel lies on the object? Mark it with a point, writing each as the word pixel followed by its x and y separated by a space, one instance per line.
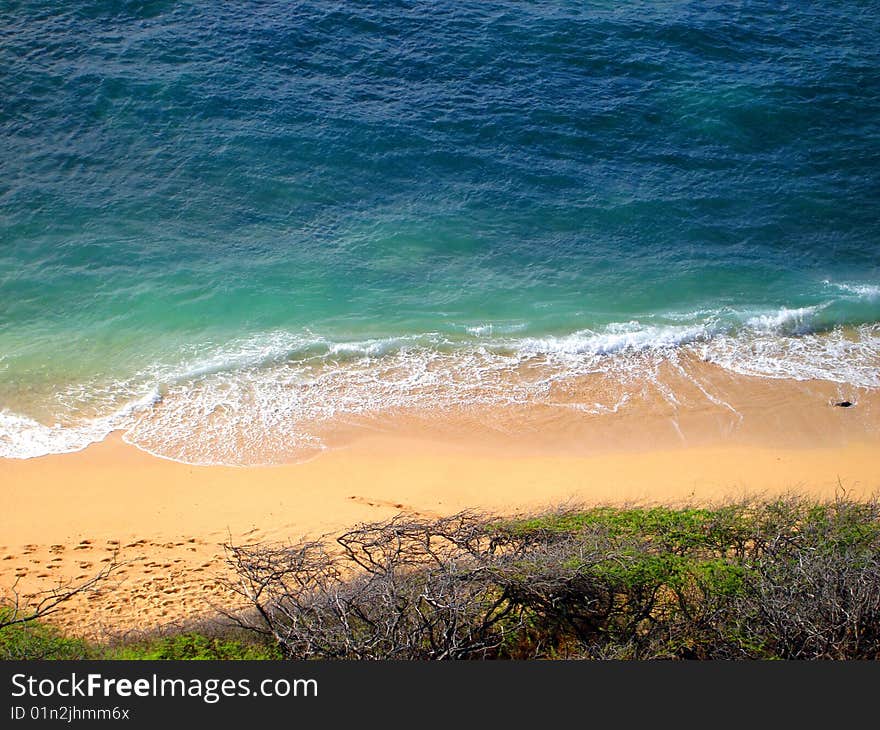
pixel 269 397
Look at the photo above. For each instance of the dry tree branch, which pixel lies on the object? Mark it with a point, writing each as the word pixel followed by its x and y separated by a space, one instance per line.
pixel 45 603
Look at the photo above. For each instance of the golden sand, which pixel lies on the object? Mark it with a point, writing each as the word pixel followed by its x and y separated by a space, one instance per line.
pixel 65 516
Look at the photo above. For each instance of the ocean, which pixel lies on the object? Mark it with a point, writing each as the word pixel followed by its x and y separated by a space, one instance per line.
pixel 224 226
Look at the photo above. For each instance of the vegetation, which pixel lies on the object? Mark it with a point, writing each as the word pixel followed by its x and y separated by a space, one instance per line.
pixel 36 640
pixel 222 644
pixel 787 579
pixel 784 579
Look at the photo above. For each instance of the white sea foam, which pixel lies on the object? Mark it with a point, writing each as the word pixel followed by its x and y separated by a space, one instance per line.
pixel 269 397
pixel 838 356
pixel 619 337
pixel 22 437
pixel 870 292
pixel 489 329
pixel 784 320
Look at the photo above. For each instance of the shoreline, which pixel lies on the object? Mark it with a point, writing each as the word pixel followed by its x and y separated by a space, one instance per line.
pixel 68 514
pixel 281 415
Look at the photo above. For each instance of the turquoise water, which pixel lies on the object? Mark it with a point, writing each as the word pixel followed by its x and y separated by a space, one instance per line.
pixel 243 218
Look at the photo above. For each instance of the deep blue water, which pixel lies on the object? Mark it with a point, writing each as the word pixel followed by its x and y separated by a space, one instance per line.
pixel 194 195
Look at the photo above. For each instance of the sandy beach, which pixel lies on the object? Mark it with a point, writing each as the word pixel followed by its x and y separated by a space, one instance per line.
pixel 67 515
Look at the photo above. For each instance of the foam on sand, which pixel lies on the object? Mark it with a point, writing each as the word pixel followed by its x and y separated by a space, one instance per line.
pixel 270 397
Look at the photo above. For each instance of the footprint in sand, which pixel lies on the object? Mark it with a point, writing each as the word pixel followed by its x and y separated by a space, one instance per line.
pixel 379 503
pixel 57 549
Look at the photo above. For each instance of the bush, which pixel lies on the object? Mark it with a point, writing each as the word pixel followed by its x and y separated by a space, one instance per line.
pixel 35 640
pixel 194 646
pixel 782 579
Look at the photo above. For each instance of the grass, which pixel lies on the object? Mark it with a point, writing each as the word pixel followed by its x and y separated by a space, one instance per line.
pixel 193 646
pixel 38 640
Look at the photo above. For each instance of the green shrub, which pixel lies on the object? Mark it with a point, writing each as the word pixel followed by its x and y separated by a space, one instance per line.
pixel 193 646
pixel 36 640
